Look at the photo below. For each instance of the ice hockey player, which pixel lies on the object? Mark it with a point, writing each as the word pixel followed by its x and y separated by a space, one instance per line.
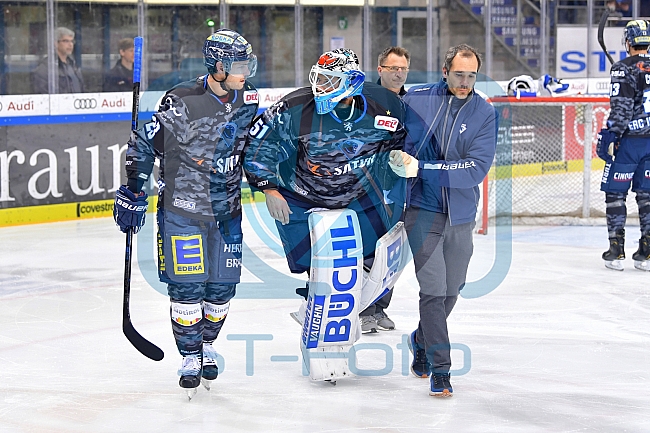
pixel 326 146
pixel 198 134
pixel 625 147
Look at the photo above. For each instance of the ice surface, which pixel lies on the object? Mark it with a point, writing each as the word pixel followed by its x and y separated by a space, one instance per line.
pixel 561 345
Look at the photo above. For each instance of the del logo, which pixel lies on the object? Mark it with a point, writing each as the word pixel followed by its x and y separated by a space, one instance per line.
pixel 250 97
pixel 385 122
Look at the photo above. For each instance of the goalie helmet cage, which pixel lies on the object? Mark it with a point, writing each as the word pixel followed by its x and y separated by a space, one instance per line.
pixel 543 173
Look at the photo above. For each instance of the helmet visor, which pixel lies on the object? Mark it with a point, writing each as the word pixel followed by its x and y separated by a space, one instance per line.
pixel 247 68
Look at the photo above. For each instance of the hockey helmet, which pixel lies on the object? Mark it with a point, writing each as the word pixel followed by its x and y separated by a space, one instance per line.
pixel 522 85
pixel 232 50
pixel 334 77
pixel 637 33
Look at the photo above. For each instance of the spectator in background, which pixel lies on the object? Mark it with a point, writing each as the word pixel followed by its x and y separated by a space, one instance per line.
pixel 622 8
pixel 120 77
pixel 70 78
pixel 393 68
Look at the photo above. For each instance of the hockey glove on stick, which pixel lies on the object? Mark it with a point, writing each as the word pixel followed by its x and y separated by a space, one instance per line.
pixel 403 164
pixel 129 211
pixel 607 143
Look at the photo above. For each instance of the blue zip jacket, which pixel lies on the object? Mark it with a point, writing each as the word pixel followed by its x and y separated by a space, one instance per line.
pixel 454 169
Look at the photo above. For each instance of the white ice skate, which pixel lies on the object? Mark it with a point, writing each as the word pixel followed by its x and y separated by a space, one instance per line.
pixel 189 372
pixel 642 265
pixel 210 370
pixel 616 265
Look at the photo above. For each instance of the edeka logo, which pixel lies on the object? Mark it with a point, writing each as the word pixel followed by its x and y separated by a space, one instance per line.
pixel 94 210
pixel 187 254
pixel 85 103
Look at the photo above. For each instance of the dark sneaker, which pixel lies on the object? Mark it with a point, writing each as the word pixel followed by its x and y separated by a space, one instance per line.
pixel 420 366
pixel 368 324
pixel 383 321
pixel 441 385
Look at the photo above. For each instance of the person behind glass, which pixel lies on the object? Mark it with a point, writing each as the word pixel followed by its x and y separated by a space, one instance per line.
pixel 450 146
pixel 70 78
pixel 393 68
pixel 120 77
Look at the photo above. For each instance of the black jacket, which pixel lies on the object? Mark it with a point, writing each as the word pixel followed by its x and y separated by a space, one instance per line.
pixel 39 76
pixel 119 79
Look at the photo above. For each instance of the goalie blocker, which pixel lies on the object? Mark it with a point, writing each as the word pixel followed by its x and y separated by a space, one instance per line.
pixel 339 289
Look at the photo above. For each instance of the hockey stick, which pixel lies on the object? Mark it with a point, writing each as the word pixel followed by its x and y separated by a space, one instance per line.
pixel 601 30
pixel 145 347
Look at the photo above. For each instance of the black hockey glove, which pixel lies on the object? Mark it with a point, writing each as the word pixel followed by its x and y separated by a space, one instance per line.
pixel 607 144
pixel 129 211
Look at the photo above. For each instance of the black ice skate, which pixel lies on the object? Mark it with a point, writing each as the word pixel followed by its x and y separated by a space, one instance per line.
pixel 616 254
pixel 642 256
pixel 210 370
pixel 190 373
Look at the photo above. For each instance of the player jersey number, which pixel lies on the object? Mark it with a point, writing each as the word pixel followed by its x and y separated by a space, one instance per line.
pixel 646 101
pixel 151 128
pixel 259 129
pixel 616 87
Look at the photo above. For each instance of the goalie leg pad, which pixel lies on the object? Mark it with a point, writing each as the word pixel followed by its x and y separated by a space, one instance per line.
pixel 390 260
pixel 326 363
pixel 332 311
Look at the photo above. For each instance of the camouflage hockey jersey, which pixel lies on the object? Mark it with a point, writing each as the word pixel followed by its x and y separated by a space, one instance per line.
pixel 321 159
pixel 200 142
pixel 630 96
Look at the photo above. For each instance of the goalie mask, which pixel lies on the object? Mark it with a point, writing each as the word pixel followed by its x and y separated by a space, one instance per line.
pixel 232 50
pixel 637 33
pixel 334 77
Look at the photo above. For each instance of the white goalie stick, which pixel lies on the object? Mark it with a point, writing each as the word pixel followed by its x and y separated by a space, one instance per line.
pixel 143 345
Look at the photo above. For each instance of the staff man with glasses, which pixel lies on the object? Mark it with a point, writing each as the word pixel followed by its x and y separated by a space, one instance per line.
pixel 70 78
pixel 393 68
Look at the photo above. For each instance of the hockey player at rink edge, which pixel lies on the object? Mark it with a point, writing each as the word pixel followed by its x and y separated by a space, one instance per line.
pixel 625 147
pixel 198 134
pixel 320 155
